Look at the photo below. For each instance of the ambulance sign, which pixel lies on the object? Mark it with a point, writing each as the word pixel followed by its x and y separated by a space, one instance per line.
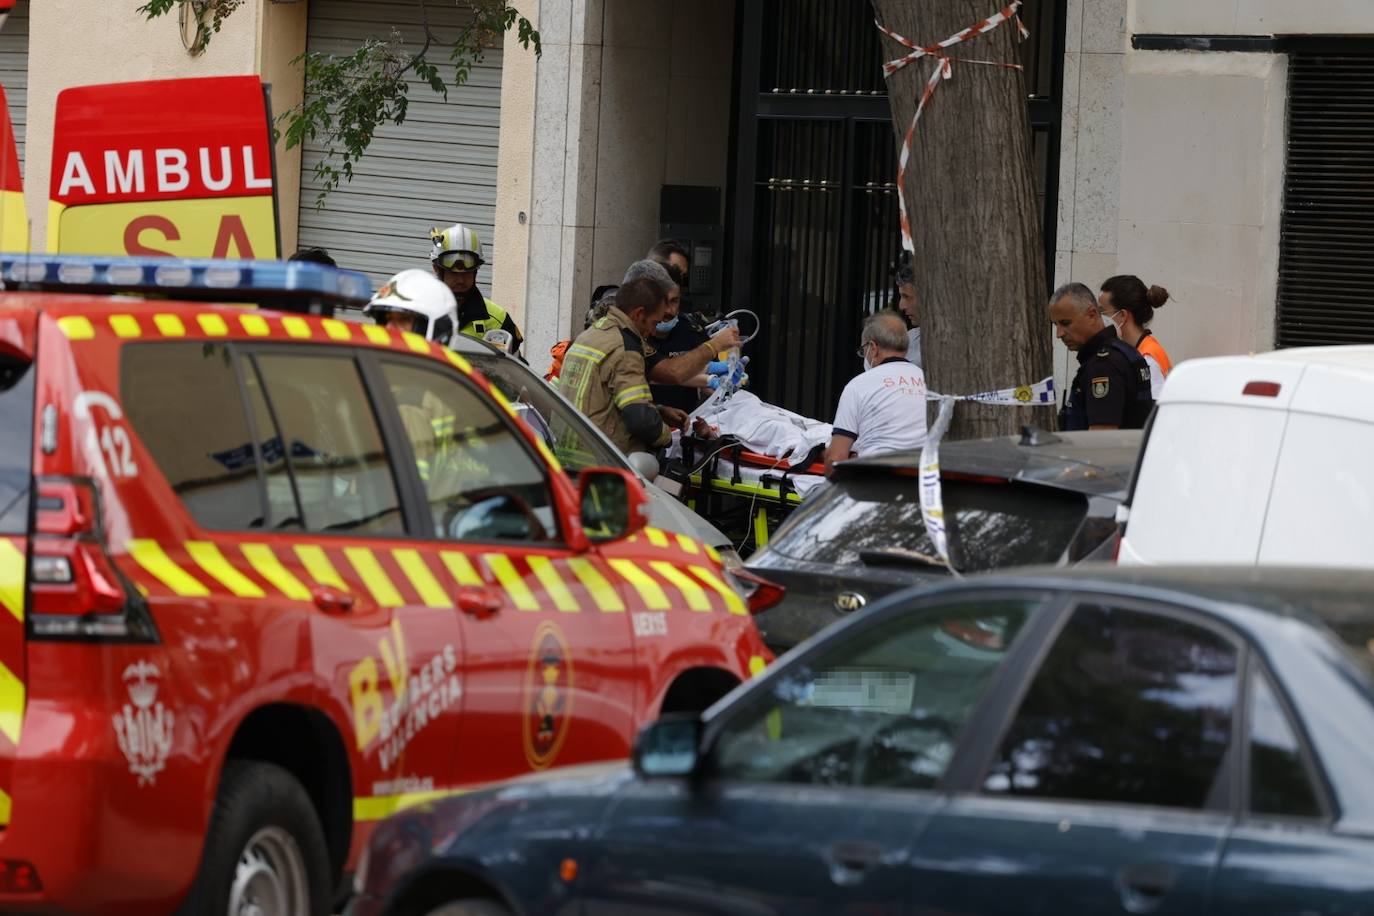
pixel 181 168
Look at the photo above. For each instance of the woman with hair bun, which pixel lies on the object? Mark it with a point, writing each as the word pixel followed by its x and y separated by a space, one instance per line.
pixel 1129 307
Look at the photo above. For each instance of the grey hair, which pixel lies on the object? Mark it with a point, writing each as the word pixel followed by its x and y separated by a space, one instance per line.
pixel 1082 297
pixel 654 271
pixel 887 329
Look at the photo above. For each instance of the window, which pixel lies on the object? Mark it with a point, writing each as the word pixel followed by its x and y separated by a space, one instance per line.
pixel 324 431
pixel 883 708
pixel 16 445
pixel 480 481
pixel 1128 707
pixel 183 402
pixel 563 428
pixel 877 519
pixel 1279 782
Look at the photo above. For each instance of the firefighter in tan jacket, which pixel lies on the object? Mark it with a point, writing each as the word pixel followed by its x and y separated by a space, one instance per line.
pixel 603 371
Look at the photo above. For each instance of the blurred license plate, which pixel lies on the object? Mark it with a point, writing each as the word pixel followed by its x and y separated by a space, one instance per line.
pixel 860 689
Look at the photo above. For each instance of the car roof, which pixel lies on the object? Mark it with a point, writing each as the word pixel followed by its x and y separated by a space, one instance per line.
pixel 1336 596
pixel 1347 357
pixel 1096 462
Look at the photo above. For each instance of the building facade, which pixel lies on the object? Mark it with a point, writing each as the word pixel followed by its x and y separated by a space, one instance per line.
pixel 1218 149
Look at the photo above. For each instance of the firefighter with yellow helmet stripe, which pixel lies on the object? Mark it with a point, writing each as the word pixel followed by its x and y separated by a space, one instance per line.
pixel 456 253
pixel 416 302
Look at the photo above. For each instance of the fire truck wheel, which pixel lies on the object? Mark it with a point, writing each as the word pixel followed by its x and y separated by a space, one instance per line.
pixel 471 908
pixel 265 853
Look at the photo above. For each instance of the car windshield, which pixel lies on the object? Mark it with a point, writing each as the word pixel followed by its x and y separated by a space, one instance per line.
pixel 16 445
pixel 566 431
pixel 876 518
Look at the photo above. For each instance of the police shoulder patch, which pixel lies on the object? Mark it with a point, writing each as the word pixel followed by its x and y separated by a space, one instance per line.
pixel 1101 385
pixel 1104 353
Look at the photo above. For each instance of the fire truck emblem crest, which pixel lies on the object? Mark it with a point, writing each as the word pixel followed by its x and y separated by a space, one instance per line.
pixel 144 726
pixel 548 696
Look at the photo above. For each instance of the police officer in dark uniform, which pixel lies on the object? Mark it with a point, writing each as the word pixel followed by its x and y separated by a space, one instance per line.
pixel 1112 387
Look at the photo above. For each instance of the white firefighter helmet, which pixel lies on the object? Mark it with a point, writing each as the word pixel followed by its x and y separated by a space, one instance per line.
pixel 424 297
pixel 456 248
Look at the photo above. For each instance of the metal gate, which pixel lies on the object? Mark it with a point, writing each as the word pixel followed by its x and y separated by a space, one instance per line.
pixel 814 200
pixel 436 169
pixel 14 71
pixel 1326 249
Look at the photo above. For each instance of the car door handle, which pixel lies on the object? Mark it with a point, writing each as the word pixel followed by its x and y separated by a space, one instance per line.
pixel 480 603
pixel 332 600
pixel 1144 886
pixel 855 856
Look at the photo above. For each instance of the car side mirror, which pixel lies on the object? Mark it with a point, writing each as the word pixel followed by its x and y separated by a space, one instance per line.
pixel 613 505
pixel 645 464
pixel 670 746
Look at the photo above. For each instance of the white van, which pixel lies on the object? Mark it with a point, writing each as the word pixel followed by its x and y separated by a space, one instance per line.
pixel 1258 459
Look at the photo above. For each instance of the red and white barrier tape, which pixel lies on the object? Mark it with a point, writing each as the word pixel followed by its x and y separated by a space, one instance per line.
pixel 944 69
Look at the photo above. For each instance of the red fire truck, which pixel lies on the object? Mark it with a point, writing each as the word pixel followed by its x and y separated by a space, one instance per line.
pixel 245 612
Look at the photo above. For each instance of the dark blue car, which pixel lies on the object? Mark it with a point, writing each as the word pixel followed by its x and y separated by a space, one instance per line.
pixel 1067 742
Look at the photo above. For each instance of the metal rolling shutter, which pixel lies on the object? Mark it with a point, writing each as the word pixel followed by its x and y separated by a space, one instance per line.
pixel 14 70
pixel 1326 252
pixel 436 169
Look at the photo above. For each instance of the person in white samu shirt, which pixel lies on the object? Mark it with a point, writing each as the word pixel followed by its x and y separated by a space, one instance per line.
pixel 883 409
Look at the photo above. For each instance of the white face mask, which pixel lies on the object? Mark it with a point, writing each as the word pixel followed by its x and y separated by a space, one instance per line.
pixel 868 363
pixel 1109 321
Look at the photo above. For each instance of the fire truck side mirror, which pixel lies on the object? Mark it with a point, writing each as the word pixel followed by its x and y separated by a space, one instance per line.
pixel 613 504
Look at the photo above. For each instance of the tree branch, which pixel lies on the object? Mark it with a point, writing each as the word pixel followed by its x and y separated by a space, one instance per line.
pixel 348 98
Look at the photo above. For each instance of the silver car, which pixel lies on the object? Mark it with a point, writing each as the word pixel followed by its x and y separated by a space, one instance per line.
pixel 550 414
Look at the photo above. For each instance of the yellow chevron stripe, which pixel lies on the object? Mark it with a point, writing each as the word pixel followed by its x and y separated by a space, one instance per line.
pixel 510 580
pixel 687 544
pixel 650 591
pixel 415 342
pixel 428 587
pixel 125 326
pixel 169 325
pixel 602 592
pixel 460 568
pixel 12 579
pixel 336 329
pixel 377 334
pixel 696 596
pixel 266 564
pixel 255 325
pixel 5 807
pixel 11 705
pixel 501 399
pixel 76 327
pixel 656 537
pixel 712 553
pixel 463 365
pixel 150 555
pixel 380 807
pixel 757 665
pixel 208 558
pixel 374 577
pixel 296 326
pixel 213 325
pixel 733 602
pixel 316 562
pixel 553 583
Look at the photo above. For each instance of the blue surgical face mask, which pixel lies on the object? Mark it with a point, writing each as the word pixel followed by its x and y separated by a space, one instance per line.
pixel 665 327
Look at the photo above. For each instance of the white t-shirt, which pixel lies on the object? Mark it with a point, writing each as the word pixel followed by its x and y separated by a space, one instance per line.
pixel 884 408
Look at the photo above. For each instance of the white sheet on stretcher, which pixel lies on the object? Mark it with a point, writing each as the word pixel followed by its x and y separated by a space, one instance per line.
pixel 754 476
pixel 763 428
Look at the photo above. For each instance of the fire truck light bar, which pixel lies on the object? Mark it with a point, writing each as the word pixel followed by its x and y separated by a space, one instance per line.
pixel 294 285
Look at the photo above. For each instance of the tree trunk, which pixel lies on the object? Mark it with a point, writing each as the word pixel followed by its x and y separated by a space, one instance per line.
pixel 970 195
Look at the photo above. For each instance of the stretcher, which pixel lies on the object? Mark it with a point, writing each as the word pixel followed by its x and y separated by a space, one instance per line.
pixel 743 493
